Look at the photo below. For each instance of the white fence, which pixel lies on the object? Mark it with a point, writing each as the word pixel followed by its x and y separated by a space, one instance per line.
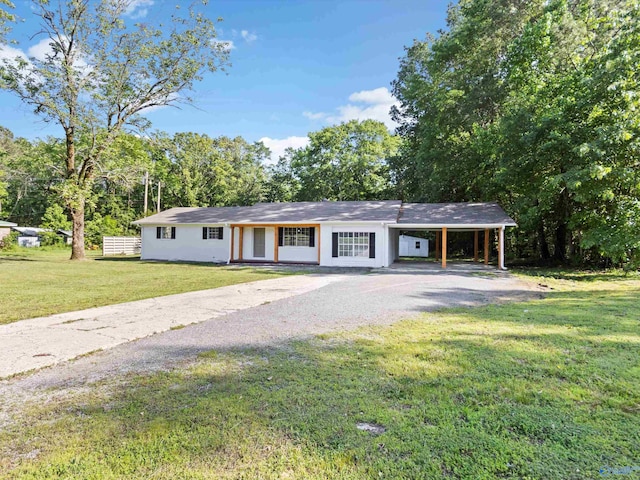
pixel 120 246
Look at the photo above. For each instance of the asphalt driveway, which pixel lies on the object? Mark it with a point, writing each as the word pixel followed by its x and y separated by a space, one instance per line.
pixel 344 300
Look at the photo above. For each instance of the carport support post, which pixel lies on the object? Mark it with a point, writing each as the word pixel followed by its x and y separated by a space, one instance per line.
pixel 233 247
pixel 276 242
pixel 501 248
pixel 486 246
pixel 475 246
pixel 241 240
pixel 444 247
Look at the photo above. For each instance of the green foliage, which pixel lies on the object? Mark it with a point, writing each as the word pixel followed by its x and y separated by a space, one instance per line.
pixel 5 17
pixel 50 239
pixel 55 219
pixel 349 161
pixel 101 75
pixel 99 227
pixel 9 242
pixel 199 171
pixel 535 106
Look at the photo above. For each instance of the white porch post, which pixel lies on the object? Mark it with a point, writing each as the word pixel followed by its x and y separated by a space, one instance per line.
pixel 501 248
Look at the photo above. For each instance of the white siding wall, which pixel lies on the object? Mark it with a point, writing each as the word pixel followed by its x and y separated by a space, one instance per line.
pixel 187 246
pixel 326 259
pixel 394 235
pixel 300 254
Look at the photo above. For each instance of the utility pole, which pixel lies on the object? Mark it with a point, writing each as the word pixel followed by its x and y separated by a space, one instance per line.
pixel 146 190
pixel 158 209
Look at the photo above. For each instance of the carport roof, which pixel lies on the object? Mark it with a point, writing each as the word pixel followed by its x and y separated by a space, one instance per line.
pixel 454 215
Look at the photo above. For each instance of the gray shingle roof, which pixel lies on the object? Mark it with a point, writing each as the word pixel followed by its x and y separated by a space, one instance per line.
pixel 454 214
pixel 373 211
pixel 7 224
pixel 390 211
pixel 368 211
pixel 195 215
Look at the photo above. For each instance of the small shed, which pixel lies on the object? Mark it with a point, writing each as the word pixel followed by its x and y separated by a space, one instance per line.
pixel 29 236
pixel 411 246
pixel 5 228
pixel 67 236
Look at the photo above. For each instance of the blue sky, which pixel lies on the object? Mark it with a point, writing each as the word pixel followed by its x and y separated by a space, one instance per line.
pixel 297 66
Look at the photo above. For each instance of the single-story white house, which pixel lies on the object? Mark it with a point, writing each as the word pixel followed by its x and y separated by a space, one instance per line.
pixel 411 246
pixel 345 234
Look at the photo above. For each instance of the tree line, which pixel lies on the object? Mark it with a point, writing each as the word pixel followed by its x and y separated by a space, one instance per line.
pixel 343 162
pixel 535 104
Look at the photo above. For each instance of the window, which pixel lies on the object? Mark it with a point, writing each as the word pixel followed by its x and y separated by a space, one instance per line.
pixel 166 232
pixel 212 233
pixel 418 245
pixel 297 236
pixel 353 244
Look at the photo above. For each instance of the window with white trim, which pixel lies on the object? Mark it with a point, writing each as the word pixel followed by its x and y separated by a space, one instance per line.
pixel 296 236
pixel 353 244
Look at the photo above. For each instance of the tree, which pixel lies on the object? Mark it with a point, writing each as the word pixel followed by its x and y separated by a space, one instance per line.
pixel 55 219
pixel 532 104
pixel 101 73
pixel 344 162
pixel 5 17
pixel 197 170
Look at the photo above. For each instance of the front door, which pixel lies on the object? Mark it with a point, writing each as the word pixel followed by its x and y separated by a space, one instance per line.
pixel 258 242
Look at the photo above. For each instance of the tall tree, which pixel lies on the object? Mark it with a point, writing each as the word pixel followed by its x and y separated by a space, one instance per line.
pixel 344 162
pixel 101 73
pixel 533 104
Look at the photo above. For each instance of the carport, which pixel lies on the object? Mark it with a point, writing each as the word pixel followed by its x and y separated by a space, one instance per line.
pixel 442 218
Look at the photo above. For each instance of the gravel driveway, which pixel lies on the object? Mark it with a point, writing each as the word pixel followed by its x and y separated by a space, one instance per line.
pixel 380 297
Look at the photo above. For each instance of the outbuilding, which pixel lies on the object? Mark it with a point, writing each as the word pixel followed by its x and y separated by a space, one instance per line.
pixel 344 234
pixel 5 228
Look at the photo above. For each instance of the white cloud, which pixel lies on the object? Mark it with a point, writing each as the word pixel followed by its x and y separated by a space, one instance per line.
pixel 9 53
pixel 41 49
pixel 366 104
pixel 248 36
pixel 376 96
pixel 315 116
pixel 279 145
pixel 138 8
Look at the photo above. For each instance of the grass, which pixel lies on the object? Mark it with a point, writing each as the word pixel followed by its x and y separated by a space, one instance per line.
pixel 39 282
pixel 541 389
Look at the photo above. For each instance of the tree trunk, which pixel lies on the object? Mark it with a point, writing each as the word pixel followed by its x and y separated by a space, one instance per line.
pixel 542 243
pixel 77 241
pixel 560 250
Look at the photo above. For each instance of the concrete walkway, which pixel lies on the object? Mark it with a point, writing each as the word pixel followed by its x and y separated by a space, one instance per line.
pixel 40 342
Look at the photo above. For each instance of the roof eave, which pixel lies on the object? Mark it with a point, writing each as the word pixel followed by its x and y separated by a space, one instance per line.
pixel 453 226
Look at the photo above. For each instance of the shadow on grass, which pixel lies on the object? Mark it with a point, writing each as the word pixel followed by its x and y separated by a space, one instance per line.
pixel 526 390
pixel 14 259
pixel 577 275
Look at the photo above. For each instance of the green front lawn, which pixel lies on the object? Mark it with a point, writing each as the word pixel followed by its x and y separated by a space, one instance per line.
pixel 37 282
pixel 543 389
